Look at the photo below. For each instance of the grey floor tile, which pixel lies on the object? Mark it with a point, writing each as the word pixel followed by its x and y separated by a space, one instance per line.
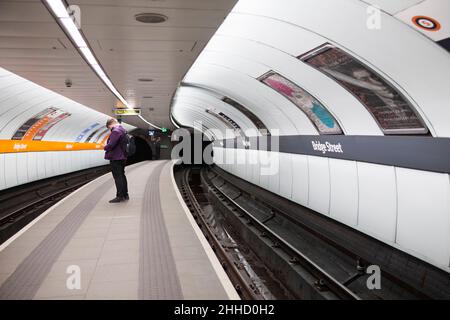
pixel 58 288
pixel 122 257
pixel 116 272
pixel 60 268
pixel 80 253
pixel 117 290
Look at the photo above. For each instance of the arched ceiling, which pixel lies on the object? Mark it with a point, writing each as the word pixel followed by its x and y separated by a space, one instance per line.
pixel 261 36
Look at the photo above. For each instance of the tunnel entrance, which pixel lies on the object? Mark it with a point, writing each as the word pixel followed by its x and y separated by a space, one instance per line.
pixel 143 151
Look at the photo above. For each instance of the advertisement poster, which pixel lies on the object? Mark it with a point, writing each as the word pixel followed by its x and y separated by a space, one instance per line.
pixel 389 108
pixel 252 117
pixel 85 131
pixel 230 123
pixel 316 112
pixel 101 134
pixel 54 118
pixel 89 138
pixel 36 127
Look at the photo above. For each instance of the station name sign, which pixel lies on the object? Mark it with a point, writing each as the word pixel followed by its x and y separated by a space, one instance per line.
pixel 127 112
pixel 327 147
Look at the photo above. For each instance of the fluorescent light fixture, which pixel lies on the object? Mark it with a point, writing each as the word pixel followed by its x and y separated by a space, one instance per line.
pixel 149 123
pixel 89 56
pixel 74 33
pixel 58 8
pixel 100 72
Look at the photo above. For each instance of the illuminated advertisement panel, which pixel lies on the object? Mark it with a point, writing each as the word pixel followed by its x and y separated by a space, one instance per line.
pixel 53 118
pixel 37 126
pixel 85 132
pixel 253 118
pixel 316 112
pixel 389 108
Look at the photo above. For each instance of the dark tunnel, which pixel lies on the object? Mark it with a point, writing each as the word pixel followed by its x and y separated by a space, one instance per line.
pixel 143 151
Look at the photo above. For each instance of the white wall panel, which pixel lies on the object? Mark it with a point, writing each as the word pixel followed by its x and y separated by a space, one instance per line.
pixel 230 160
pixel 255 167
pixel 51 168
pixel 41 159
pixel 393 6
pixel 241 163
pixel 22 169
pixel 32 168
pixel 2 172
pixel 264 178
pixel 377 200
pixel 286 175
pixel 218 156
pixel 10 170
pixel 424 214
pixel 273 169
pixel 344 191
pixel 319 184
pixel 300 179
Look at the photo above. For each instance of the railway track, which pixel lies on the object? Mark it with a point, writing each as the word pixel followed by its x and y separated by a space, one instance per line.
pixel 311 256
pixel 242 285
pixel 304 277
pixel 22 204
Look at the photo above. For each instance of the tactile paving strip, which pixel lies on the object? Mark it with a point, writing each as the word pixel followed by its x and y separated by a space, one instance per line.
pixel 158 278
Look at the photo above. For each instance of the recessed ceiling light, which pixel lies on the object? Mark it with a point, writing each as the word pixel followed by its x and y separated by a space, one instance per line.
pixel 150 17
pixel 145 80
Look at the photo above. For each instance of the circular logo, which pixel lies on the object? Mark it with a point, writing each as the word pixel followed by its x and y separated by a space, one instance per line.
pixel 426 23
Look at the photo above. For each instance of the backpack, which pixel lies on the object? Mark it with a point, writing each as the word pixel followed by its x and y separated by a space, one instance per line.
pixel 129 145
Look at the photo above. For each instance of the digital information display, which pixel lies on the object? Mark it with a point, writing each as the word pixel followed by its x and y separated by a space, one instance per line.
pixel 389 108
pixel 316 112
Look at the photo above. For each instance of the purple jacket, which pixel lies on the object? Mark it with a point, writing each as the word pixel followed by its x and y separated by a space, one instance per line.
pixel 114 147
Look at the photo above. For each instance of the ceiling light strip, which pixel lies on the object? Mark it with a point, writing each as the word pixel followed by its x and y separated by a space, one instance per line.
pixel 58 9
pixel 149 123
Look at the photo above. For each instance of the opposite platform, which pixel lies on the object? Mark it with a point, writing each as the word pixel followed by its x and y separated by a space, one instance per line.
pixel 147 248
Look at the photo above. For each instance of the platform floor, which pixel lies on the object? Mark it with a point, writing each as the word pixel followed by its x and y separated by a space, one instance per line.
pixel 147 248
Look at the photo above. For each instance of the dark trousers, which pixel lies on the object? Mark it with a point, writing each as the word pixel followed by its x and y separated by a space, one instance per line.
pixel 118 172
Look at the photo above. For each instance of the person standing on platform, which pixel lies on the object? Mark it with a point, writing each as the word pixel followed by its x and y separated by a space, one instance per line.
pixel 115 152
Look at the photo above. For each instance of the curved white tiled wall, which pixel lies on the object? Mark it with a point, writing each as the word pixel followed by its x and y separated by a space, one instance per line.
pixel 395 205
pixel 21 99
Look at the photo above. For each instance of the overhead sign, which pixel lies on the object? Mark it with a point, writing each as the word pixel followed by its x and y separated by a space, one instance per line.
pixel 127 112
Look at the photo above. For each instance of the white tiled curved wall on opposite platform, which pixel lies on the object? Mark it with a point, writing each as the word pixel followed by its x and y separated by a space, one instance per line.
pixel 399 204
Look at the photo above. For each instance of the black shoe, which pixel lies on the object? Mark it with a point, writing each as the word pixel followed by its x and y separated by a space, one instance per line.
pixel 126 198
pixel 116 200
